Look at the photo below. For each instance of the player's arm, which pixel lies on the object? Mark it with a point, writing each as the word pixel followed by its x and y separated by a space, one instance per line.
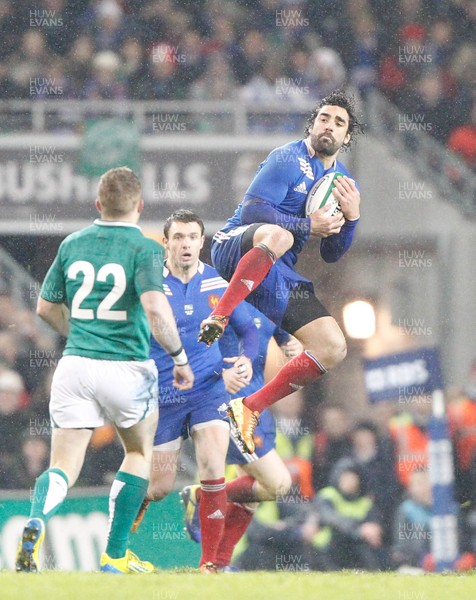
pixel 164 329
pixel 246 331
pixel 51 305
pixel 335 246
pixel 240 372
pixel 256 210
pixel 267 191
pixel 56 315
pixel 149 288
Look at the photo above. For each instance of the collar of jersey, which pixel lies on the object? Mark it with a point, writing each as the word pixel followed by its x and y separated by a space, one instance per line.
pixel 201 268
pixel 115 224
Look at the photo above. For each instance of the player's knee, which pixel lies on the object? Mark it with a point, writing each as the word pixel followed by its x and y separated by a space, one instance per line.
pixel 284 485
pixel 279 487
pixel 158 491
pixel 332 352
pixel 336 351
pixel 277 239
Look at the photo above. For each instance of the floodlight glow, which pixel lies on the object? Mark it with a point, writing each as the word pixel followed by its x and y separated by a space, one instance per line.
pixel 359 319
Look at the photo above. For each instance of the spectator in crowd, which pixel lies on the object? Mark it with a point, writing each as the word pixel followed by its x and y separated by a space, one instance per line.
pixel 349 532
pixel 364 69
pixel 80 57
pixel 217 82
pixel 104 83
pixel 462 421
pixel 332 442
pixel 26 348
pixel 9 88
pixel 412 531
pixel 440 43
pixel 108 25
pixel 28 66
pixel 462 140
pixel 375 459
pixel 7 32
pixel 408 430
pixel 153 20
pixel 251 56
pixel 222 38
pixel 33 459
pixel 262 89
pixel 163 82
pixel 61 27
pixel 13 418
pixel 191 50
pixel 434 105
pixel 326 71
pixel 134 67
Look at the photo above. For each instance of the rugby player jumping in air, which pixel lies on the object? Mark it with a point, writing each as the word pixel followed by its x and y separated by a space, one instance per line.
pixel 257 251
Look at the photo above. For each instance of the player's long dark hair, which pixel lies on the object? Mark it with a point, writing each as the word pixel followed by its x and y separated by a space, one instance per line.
pixel 345 101
pixel 182 215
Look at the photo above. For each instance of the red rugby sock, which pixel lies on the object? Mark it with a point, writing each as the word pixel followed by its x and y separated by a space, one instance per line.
pixel 212 511
pixel 241 489
pixel 250 272
pixel 299 371
pixel 238 518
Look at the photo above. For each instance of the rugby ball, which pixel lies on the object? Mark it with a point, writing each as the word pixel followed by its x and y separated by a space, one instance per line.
pixel 321 195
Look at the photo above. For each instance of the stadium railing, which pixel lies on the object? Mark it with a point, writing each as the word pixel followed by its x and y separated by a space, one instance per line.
pixel 218 117
pixel 406 135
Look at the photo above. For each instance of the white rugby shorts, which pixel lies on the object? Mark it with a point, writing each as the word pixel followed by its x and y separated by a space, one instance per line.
pixel 88 393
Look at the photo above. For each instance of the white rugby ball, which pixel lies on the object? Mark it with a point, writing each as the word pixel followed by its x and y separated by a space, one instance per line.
pixel 321 195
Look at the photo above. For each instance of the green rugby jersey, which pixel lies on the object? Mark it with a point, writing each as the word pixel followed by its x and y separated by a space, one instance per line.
pixel 100 273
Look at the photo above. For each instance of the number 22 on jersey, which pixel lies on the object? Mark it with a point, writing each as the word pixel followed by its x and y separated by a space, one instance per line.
pixel 104 309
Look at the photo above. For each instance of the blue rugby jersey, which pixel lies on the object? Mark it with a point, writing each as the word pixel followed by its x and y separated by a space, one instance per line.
pixel 229 346
pixel 191 303
pixel 283 181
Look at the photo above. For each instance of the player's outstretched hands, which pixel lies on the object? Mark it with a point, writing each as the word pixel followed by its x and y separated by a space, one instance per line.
pixel 183 377
pixel 348 196
pixel 323 224
pixel 238 376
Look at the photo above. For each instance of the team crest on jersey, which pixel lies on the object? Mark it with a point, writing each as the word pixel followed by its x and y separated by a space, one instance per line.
pixel 188 308
pixel 306 168
pixel 213 300
pixel 258 441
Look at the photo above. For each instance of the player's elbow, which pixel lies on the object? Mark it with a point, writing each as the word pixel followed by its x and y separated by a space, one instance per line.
pixel 153 303
pixel 330 254
pixel 329 257
pixel 43 309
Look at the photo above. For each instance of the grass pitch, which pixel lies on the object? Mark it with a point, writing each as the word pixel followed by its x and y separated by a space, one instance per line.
pixel 241 586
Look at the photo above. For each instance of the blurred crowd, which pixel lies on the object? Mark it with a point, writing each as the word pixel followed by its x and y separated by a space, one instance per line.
pixel 361 496
pixel 420 53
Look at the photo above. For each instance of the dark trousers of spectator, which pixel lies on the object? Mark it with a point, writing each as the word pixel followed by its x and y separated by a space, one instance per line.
pixel 344 552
